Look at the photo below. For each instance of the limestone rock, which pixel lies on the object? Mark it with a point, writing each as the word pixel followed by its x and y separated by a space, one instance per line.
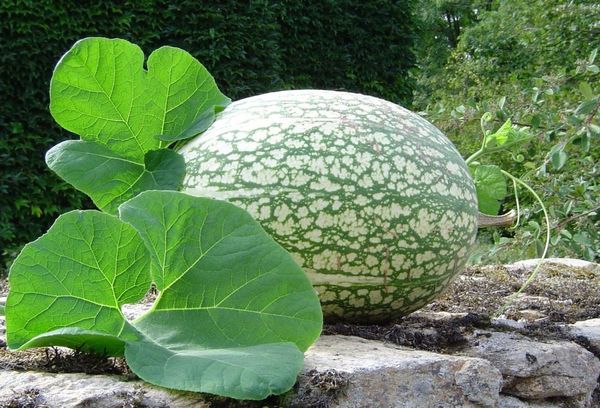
pixel 81 390
pixel 588 329
pixel 539 370
pixel 346 371
pixel 496 368
pixel 531 315
pixel 503 323
pixel 507 401
pixel 529 264
pixel 133 311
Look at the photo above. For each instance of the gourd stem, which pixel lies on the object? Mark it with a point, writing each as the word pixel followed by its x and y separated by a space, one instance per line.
pixel 503 220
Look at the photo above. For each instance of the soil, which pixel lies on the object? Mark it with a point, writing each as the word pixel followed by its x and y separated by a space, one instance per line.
pixel 481 297
pixel 61 360
pixel 561 293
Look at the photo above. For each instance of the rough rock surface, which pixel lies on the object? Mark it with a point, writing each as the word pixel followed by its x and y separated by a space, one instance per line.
pixel 33 389
pixel 340 371
pixel 529 264
pixel 453 353
pixel 373 374
pixel 346 371
pixel 589 330
pixel 538 370
pixel 507 401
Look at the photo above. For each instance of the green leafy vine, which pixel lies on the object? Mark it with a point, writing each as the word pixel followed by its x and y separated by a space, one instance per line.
pixel 490 195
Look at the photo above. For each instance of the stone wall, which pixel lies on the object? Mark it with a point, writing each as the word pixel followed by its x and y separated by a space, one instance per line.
pixel 431 359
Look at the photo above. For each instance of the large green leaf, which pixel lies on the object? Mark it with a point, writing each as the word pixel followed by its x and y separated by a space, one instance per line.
pixel 85 340
pixel 110 178
pixel 77 275
pixel 228 291
pixel 491 188
pixel 125 115
pixel 201 124
pixel 505 137
pixel 100 91
pixel 251 372
pixel 233 315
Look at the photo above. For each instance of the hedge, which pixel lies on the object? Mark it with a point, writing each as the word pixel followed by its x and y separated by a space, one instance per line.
pixel 360 46
pixel 250 47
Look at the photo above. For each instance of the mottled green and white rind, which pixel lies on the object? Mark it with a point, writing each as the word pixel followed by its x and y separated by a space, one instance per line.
pixel 373 201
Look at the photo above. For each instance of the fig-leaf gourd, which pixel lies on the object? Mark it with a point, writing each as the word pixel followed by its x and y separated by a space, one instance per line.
pixel 373 201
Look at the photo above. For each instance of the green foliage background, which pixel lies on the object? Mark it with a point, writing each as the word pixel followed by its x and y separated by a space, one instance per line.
pixel 532 61
pixel 250 47
pixel 527 60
